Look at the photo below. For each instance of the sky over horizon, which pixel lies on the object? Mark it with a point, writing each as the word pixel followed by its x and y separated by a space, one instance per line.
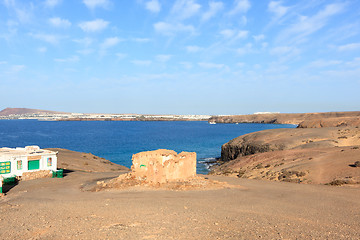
pixel 181 56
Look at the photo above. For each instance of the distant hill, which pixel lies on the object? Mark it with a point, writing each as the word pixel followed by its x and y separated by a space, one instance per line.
pixel 21 111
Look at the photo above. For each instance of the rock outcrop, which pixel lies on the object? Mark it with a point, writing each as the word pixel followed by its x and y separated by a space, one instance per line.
pixel 163 166
pixel 331 122
pixel 310 155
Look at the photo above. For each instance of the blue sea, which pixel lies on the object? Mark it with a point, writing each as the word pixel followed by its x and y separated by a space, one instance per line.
pixel 117 141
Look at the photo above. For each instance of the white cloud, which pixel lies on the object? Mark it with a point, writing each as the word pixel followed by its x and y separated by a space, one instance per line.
pixel 121 56
pixel 209 65
pixel 23 11
pixel 193 49
pixel 49 38
pixel 17 68
pixel 277 9
pixel 110 42
pixel 153 6
pixel 58 22
pixel 241 6
pixel 94 26
pixel 349 47
pixel 86 51
pixel 229 33
pixel 172 29
pixel 85 42
pixel 163 58
pixel 184 9
pixel 244 50
pixel 214 8
pixel 281 50
pixel 141 40
pixel 42 49
pixel 3 62
pixel 308 25
pixel 324 63
pixel 70 59
pixel 92 4
pixel 141 62
pixel 52 3
pixel 242 34
pixel 187 65
pixel 258 38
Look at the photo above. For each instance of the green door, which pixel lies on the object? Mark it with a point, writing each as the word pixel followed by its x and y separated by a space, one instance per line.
pixel 34 164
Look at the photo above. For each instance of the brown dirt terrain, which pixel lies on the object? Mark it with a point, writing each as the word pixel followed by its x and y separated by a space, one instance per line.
pixel 54 208
pixel 78 161
pixel 331 122
pixel 320 156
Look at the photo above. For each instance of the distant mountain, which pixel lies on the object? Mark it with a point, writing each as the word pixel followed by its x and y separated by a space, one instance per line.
pixel 21 111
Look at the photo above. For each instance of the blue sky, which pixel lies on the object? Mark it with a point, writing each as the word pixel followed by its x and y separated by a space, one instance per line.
pixel 180 57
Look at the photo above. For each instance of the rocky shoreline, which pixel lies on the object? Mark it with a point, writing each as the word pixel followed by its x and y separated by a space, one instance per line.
pixel 320 151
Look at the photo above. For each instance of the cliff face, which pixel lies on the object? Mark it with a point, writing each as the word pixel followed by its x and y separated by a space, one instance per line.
pixel 284 139
pixel 281 118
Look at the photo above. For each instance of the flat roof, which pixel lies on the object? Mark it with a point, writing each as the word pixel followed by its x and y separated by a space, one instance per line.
pixel 26 151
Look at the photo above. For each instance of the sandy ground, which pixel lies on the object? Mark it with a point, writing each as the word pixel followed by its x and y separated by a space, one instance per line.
pixel 55 208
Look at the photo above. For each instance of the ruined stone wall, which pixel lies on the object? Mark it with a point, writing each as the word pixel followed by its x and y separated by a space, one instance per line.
pixel 36 174
pixel 162 166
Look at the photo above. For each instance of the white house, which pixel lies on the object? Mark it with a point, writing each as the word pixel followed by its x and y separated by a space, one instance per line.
pixel 16 161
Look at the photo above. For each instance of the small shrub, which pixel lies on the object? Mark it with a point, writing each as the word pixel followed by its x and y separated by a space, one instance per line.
pixel 357 164
pixel 337 182
pixel 267 166
pixel 241 173
pixel 259 166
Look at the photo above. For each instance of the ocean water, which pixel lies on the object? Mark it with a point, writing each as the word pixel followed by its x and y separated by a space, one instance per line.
pixel 117 141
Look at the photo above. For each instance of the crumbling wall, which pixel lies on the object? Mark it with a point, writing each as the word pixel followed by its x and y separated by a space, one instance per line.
pixel 161 166
pixel 36 174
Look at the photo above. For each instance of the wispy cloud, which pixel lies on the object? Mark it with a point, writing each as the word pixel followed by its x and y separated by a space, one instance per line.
pixel 23 11
pixel 49 38
pixel 349 47
pixel 52 3
pixel 141 62
pixel 193 49
pixel 141 40
pixel 170 29
pixel 183 9
pixel 240 6
pixel 110 42
pixel 69 59
pixel 153 6
pixel 210 65
pixel 258 38
pixel 245 50
pixel 307 25
pixel 324 63
pixel 17 68
pixel 59 22
pixel 42 49
pixel 214 8
pixel 187 65
pixel 277 9
pixel 84 42
pixel 236 34
pixel 94 26
pixel 163 58
pixel 92 4
pixel 3 62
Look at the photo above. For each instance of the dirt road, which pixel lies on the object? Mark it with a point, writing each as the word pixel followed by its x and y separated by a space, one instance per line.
pixel 58 209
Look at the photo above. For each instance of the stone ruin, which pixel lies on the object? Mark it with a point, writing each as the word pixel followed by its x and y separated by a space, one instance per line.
pixel 164 169
pixel 163 166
